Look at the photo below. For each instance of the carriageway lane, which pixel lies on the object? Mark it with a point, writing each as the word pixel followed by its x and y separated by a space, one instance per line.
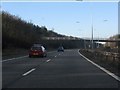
pixel 13 68
pixel 66 70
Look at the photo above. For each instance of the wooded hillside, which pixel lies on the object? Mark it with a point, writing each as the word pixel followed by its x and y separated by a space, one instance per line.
pixel 19 33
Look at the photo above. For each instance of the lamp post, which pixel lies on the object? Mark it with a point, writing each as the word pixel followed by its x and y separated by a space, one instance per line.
pixel 84 44
pixel 92 33
pixel 98 41
pixel 84 39
pixel 105 20
pixel 92 37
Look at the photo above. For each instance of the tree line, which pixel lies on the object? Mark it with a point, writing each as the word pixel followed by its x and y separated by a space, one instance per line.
pixel 20 33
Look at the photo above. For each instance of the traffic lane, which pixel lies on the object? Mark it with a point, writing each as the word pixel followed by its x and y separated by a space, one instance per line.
pixel 68 70
pixel 12 70
pixel 16 59
pixel 26 61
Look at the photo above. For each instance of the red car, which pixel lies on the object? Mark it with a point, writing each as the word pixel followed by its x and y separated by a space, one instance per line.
pixel 37 51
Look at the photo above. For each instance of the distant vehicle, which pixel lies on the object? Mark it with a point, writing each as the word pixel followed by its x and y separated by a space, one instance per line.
pixel 60 49
pixel 37 50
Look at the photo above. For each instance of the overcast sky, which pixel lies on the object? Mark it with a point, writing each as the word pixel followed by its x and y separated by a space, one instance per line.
pixel 69 18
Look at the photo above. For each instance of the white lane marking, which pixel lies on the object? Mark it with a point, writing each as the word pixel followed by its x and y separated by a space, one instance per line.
pixel 48 60
pixel 55 56
pixel 28 72
pixel 20 57
pixel 14 58
pixel 103 69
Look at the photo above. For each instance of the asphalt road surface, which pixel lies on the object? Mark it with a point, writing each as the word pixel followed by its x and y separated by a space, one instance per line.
pixel 58 70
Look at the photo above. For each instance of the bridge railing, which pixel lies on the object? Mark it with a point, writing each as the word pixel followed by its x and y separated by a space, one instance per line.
pixel 86 39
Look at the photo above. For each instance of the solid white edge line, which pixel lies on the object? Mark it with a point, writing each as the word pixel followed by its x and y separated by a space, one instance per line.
pixel 28 72
pixel 103 69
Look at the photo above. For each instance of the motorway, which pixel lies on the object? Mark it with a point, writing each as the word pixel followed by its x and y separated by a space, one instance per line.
pixel 58 70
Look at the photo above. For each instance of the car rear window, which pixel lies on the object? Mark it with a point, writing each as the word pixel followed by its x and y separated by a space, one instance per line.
pixel 36 48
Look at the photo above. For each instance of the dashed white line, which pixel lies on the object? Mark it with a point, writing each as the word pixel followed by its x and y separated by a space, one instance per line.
pixel 103 69
pixel 48 60
pixel 14 58
pixel 20 57
pixel 55 56
pixel 28 72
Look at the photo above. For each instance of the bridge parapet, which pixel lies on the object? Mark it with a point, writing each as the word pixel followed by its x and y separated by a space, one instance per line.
pixel 61 38
pixel 86 39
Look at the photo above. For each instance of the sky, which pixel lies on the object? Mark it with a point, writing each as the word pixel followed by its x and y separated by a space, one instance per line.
pixel 69 18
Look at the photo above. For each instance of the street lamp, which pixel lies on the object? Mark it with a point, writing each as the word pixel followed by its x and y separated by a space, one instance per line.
pixel 84 39
pixel 105 20
pixel 92 36
pixel 84 44
pixel 98 41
